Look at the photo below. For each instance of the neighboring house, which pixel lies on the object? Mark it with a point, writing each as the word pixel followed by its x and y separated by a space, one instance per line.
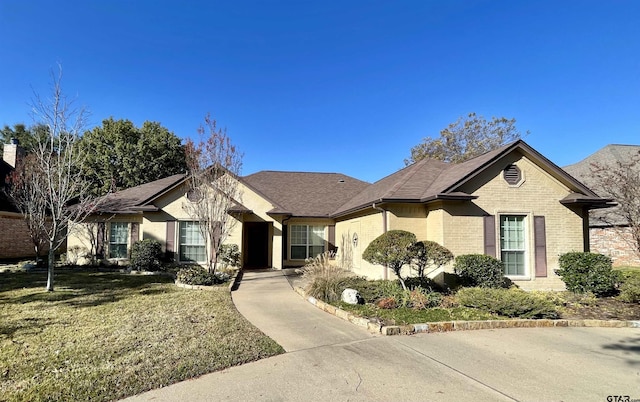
pixel 610 233
pixel 15 242
pixel 511 203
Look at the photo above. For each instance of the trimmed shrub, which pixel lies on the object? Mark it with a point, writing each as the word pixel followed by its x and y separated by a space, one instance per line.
pixel 508 302
pixel 429 254
pixel 370 291
pixel 326 280
pixel 479 270
pixel 630 288
pixel 229 255
pixel 197 275
pixel 588 272
pixel 146 255
pixel 392 249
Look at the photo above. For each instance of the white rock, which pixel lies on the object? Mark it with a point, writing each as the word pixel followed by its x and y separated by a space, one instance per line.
pixel 351 296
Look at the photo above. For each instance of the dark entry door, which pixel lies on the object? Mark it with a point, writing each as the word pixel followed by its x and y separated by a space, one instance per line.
pixel 257 241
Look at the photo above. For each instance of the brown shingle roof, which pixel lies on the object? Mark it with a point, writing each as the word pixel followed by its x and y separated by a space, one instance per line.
pixel 430 179
pixel 138 198
pixel 304 194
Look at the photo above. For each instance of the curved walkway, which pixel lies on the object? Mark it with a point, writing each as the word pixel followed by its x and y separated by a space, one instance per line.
pixel 331 359
pixel 267 300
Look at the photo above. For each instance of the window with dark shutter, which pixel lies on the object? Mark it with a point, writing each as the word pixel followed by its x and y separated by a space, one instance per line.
pixel 512 175
pixel 490 235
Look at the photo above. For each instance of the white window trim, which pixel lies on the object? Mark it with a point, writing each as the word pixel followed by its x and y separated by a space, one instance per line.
pixel 529 245
pixel 127 241
pixel 307 225
pixel 178 245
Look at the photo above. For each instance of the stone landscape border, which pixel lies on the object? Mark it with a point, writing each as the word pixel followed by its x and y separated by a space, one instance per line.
pixel 447 326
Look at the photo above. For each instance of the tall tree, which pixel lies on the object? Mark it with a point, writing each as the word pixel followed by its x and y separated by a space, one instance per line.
pixel 214 166
pixel 621 181
pixel 55 160
pixel 119 155
pixel 466 138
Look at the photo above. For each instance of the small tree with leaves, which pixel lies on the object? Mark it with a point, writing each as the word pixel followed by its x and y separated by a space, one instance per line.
pixel 393 249
pixel 57 179
pixel 465 139
pixel 429 254
pixel 621 181
pixel 214 165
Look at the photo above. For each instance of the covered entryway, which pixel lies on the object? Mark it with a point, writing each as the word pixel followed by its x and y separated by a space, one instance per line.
pixel 255 238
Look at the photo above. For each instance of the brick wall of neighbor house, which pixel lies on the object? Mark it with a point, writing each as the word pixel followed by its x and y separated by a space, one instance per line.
pixel 537 195
pixel 615 242
pixel 14 238
pixel 409 217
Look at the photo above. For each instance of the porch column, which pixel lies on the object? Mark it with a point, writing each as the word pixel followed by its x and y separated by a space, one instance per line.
pixel 276 245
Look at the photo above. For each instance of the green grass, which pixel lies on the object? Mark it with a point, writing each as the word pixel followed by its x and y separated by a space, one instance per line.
pixel 627 268
pixel 104 336
pixel 404 316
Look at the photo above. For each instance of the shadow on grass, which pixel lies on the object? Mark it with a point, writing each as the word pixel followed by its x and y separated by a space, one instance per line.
pixel 27 325
pixel 77 289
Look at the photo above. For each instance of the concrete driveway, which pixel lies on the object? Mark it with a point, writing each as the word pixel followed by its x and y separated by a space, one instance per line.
pixel 330 359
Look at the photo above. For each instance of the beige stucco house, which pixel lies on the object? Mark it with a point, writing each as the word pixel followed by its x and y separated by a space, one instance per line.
pixel 511 203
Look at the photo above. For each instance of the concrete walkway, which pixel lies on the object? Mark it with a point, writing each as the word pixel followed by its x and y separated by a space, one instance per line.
pixel 330 359
pixel 266 299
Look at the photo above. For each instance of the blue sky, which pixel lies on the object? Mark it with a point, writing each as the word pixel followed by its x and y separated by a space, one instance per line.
pixel 335 86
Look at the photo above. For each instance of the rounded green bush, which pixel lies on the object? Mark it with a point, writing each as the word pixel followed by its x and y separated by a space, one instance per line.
pixel 145 255
pixel 630 288
pixel 588 272
pixel 197 275
pixel 393 249
pixel 479 270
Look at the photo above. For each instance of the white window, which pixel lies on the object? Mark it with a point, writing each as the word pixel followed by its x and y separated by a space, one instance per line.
pixel 118 233
pixel 192 246
pixel 306 241
pixel 513 244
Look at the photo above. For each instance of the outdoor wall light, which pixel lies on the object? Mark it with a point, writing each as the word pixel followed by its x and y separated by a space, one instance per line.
pixel 355 240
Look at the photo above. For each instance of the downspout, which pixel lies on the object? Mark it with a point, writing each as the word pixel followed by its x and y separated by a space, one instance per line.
pixel 384 230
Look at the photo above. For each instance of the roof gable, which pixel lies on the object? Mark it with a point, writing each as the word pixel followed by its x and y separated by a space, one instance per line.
pixel 429 179
pixel 138 198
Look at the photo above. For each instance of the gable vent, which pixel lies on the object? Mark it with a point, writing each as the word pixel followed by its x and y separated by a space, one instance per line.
pixel 512 175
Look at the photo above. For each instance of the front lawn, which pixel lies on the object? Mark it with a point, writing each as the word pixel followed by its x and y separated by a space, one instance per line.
pixel 104 336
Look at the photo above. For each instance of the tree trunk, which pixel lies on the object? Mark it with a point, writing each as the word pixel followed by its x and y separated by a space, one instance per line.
pixel 52 257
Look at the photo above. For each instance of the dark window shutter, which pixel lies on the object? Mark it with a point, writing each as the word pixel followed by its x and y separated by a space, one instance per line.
pixel 490 235
pixel 285 245
pixel 170 240
pixel 540 240
pixel 100 236
pixel 135 232
pixel 332 240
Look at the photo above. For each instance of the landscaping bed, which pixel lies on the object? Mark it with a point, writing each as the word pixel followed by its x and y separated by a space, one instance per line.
pixel 104 336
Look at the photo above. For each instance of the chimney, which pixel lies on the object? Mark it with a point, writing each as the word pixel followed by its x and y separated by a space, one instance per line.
pixel 12 152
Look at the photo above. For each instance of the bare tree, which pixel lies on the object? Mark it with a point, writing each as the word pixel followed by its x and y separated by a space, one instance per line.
pixel 24 184
pixel 621 181
pixel 214 164
pixel 56 158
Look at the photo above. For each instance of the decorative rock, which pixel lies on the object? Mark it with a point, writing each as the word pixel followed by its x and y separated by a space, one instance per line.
pixel 351 296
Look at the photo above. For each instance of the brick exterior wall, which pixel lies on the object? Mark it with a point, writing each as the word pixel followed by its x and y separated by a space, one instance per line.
pixel 615 242
pixel 14 238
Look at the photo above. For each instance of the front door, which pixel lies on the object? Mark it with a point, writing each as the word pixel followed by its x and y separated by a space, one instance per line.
pixel 256 239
